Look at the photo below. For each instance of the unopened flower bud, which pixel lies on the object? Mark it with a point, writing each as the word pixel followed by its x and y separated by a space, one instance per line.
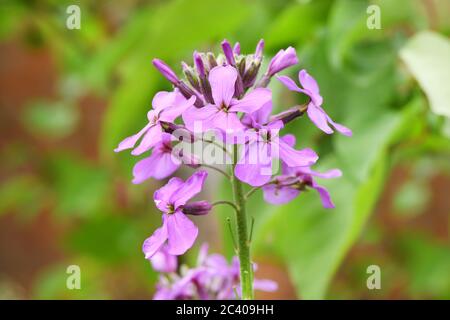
pixel 259 50
pixel 237 48
pixel 199 64
pixel 251 74
pixel 191 76
pixel 212 62
pixel 197 208
pixel 282 60
pixel 228 52
pixel 290 114
pixel 166 71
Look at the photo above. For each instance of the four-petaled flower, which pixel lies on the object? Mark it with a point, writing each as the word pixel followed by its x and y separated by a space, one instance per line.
pixel 223 113
pixel 177 230
pixel 315 112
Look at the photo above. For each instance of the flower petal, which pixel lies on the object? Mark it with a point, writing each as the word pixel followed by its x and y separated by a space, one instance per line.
pixel 308 82
pixel 319 118
pixel 296 158
pixel 252 101
pixel 180 105
pixel 255 165
pixel 189 189
pixel 275 194
pixel 324 196
pixel 222 80
pixel 182 233
pixel 152 244
pixel 162 195
pixel 200 120
pixel 289 83
pixel 339 127
pixel 150 139
pixel 159 165
pixel 129 142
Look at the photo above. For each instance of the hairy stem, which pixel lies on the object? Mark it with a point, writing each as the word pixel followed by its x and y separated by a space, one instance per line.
pixel 243 245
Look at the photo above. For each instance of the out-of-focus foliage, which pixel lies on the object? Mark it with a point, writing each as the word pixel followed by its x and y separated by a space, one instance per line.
pixel 389 85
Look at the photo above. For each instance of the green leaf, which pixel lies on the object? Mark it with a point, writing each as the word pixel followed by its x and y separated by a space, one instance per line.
pixel 427 57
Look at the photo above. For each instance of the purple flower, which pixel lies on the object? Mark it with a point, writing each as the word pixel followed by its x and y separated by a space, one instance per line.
pixel 228 52
pixel 282 60
pixel 213 278
pixel 255 165
pixel 162 261
pixel 223 113
pixel 288 186
pixel 177 230
pixel 161 164
pixel 167 106
pixel 315 112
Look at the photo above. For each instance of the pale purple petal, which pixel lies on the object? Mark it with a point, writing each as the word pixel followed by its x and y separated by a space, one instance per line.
pixel 252 101
pixel 200 120
pixel 222 80
pixel 162 195
pixel 296 158
pixel 227 121
pixel 319 118
pixel 159 165
pixel 289 139
pixel 255 165
pixel 339 127
pixel 275 194
pixel 189 189
pixel 289 83
pixel 333 173
pixel 324 196
pixel 182 233
pixel 162 261
pixel 308 82
pixel 155 241
pixel 129 142
pixel 150 139
pixel 180 105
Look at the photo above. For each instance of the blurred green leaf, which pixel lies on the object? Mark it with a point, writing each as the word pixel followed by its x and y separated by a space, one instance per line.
pixel 51 120
pixel 427 57
pixel 81 189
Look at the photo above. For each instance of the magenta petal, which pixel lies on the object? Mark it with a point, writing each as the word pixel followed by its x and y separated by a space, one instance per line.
pixel 261 116
pixel 189 189
pixel 296 158
pixel 319 118
pixel 129 142
pixel 151 138
pixel 155 241
pixel 274 194
pixel 222 80
pixel 289 83
pixel 324 196
pixel 252 101
pixel 159 165
pixel 162 195
pixel 182 233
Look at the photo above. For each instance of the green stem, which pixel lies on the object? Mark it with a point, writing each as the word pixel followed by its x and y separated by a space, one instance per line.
pixel 242 235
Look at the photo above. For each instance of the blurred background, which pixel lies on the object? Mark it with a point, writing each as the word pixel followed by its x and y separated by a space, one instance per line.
pixel 67 97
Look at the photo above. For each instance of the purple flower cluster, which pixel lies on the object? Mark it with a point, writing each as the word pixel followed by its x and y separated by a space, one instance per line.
pixel 222 94
pixel 213 278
